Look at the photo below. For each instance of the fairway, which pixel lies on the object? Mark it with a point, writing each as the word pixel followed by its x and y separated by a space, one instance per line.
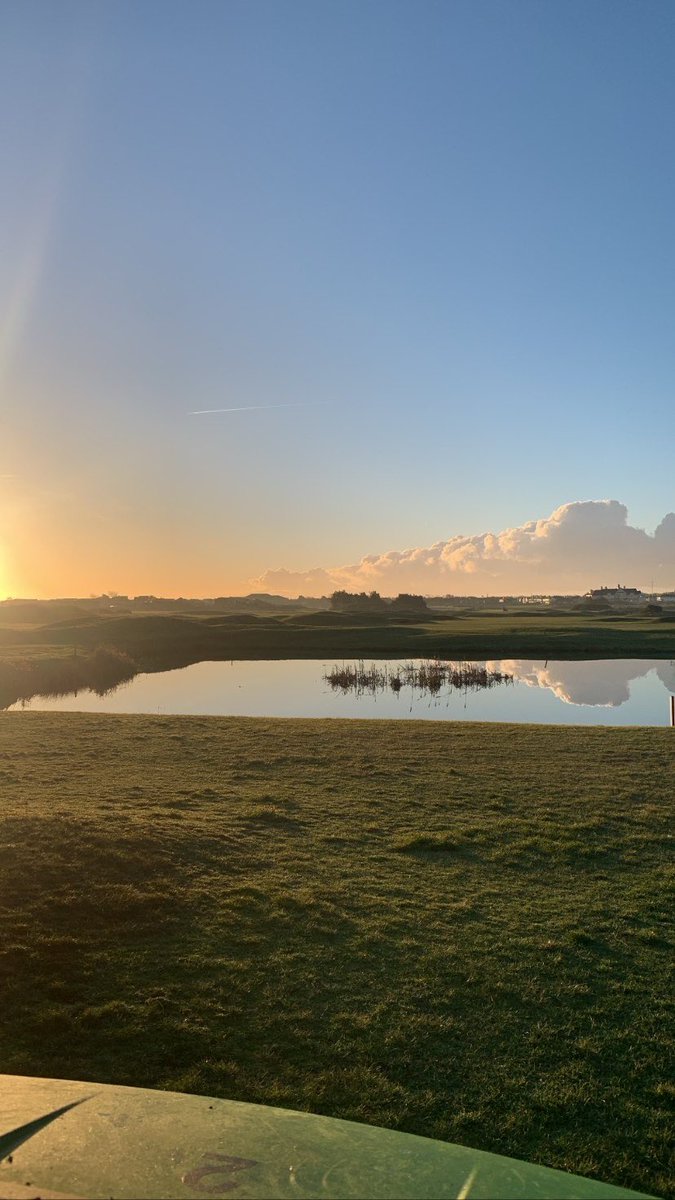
pixel 438 928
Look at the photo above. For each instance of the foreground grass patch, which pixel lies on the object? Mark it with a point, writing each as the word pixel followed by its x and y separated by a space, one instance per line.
pixel 456 930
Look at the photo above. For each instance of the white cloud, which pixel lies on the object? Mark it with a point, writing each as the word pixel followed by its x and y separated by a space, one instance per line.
pixel 581 545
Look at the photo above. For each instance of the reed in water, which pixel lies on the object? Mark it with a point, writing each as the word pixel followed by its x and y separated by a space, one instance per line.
pixel 429 675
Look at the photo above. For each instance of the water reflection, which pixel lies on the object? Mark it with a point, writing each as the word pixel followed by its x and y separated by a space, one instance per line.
pixel 597 684
pixel 600 684
pixel 426 676
pixel 601 692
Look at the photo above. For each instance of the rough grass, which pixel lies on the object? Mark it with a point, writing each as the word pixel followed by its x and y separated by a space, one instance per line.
pixel 440 928
pixel 155 641
pixel 102 669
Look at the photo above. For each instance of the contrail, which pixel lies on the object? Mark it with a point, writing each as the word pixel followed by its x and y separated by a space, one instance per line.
pixel 203 412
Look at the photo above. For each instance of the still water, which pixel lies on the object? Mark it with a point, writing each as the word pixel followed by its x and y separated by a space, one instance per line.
pixel 601 692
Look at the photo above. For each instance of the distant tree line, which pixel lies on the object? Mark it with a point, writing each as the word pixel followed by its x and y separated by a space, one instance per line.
pixel 372 602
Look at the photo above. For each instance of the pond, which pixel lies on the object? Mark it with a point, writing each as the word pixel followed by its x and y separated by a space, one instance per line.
pixel 599 692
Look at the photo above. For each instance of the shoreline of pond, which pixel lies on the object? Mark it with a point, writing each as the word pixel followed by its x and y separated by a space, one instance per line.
pixel 522 691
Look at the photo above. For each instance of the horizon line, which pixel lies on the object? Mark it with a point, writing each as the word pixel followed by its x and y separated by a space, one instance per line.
pixel 113 596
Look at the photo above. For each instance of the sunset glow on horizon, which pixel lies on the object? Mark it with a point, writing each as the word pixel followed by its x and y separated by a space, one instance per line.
pixel 303 294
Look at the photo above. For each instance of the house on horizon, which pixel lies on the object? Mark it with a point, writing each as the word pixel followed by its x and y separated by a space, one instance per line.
pixel 617 595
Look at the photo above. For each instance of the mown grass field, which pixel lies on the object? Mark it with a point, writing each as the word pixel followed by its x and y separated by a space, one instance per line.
pixel 456 931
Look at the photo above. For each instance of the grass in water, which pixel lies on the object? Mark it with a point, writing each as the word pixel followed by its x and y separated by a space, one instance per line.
pixel 429 677
pixel 440 928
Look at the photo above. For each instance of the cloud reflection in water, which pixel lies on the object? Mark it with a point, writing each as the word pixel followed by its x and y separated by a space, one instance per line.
pixel 600 684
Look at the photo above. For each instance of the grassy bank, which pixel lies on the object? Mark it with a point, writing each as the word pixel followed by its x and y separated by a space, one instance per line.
pixel 100 670
pixel 158 642
pixel 411 924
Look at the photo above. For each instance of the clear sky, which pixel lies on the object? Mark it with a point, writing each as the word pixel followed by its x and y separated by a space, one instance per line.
pixel 440 235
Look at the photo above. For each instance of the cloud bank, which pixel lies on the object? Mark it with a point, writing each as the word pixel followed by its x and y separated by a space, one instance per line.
pixel 581 545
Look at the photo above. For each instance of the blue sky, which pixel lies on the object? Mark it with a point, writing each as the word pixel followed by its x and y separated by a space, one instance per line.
pixel 441 231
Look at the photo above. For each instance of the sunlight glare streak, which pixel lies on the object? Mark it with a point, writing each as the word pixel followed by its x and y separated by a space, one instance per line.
pixel 465 1189
pixel 34 251
pixel 31 265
